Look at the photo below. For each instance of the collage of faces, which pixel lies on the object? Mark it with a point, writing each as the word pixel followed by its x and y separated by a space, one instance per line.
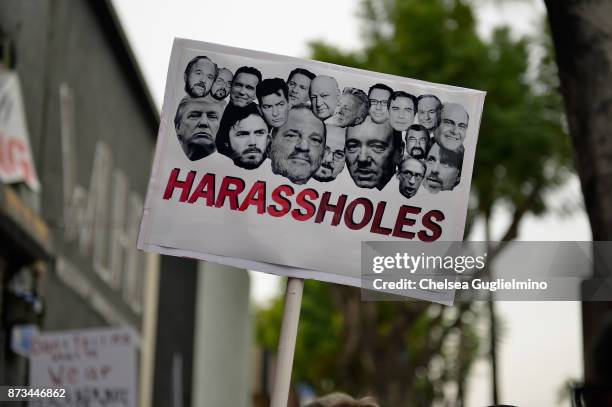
pixel 308 128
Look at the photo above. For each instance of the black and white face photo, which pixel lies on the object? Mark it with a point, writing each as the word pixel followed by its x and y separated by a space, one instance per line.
pixel 379 99
pixel 324 96
pixel 196 124
pixel 428 111
pixel 443 169
pixel 410 173
pixel 453 126
pixel 309 124
pixel 334 157
pixel 248 140
pixel 352 108
pixel 199 76
pixel 222 85
pixel 417 141
pixel 299 87
pixel 401 113
pixel 243 87
pixel 296 149
pixel 372 153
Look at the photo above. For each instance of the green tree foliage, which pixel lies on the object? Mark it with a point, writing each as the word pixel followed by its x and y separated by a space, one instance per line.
pixel 404 353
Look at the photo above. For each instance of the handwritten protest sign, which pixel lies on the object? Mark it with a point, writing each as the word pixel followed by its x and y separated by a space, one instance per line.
pixel 96 367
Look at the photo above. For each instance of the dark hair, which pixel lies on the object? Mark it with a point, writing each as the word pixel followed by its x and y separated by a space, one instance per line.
pixel 452 157
pixel 302 71
pixel 407 157
pixel 398 142
pixel 249 70
pixel 270 86
pixel 421 97
pixel 422 129
pixel 398 151
pixel 402 94
pixel 380 86
pixel 231 116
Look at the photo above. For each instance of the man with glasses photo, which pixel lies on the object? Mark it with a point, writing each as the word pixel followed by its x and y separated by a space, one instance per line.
pixel 221 86
pixel 410 174
pixel 378 96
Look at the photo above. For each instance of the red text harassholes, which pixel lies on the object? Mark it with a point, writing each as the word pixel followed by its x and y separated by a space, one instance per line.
pixel 303 205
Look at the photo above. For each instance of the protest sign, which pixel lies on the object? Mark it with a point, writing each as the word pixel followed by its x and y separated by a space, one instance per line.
pixel 285 165
pixel 16 164
pixel 95 367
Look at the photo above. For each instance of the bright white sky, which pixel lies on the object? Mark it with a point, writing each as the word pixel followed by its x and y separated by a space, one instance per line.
pixel 541 344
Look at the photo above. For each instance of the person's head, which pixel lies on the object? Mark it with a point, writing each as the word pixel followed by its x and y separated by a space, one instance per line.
pixel 196 123
pixel 453 126
pixel 410 173
pixel 378 97
pixel 244 84
pixel 417 141
pixel 243 136
pixel 296 148
pixel 443 169
pixel 343 400
pixel 272 97
pixel 352 108
pixel 324 95
pixel 299 85
pixel 222 85
pixel 428 110
pixel 373 151
pixel 199 76
pixel 401 110
pixel 333 159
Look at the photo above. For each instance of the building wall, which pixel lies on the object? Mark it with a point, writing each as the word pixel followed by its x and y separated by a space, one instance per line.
pixel 63 42
pixel 26 24
pixel 84 100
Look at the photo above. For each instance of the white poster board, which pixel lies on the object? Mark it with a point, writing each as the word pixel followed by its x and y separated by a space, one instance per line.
pixel 16 164
pixel 264 207
pixel 96 367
